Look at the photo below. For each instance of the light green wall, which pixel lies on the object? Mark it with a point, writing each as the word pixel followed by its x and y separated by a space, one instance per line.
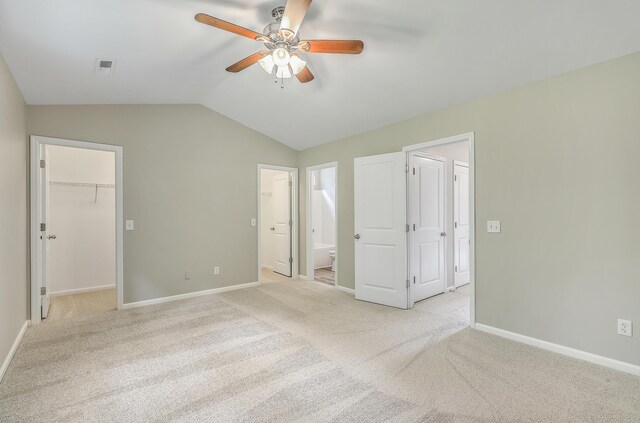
pixel 556 162
pixel 190 185
pixel 13 211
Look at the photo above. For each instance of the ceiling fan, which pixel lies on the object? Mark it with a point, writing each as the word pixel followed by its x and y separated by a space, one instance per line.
pixel 282 40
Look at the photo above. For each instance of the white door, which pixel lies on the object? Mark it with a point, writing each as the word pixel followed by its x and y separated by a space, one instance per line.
pixel 282 224
pixel 462 241
pixel 427 226
pixel 45 236
pixel 380 231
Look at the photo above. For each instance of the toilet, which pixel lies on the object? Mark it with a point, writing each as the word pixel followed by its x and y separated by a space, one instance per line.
pixel 332 254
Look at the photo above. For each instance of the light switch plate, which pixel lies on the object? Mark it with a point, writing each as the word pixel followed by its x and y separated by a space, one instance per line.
pixel 493 226
pixel 129 225
pixel 253 221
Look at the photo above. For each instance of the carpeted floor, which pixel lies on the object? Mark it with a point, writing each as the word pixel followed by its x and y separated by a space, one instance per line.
pixel 77 305
pixel 299 352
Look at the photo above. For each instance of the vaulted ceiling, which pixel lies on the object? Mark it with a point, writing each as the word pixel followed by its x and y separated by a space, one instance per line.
pixel 420 56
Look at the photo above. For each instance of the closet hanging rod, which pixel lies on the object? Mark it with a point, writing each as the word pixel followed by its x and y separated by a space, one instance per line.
pixel 81 184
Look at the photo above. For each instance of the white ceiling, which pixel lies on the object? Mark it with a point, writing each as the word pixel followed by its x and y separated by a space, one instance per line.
pixel 420 56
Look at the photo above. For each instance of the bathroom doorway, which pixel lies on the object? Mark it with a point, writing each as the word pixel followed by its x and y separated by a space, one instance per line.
pixel 322 246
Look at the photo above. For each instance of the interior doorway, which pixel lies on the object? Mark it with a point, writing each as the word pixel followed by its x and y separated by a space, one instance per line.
pixel 76 215
pixel 439 215
pixel 414 224
pixel 277 223
pixel 322 233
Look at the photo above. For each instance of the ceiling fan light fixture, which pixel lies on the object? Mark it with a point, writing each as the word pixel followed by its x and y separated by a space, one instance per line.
pixel 267 63
pixel 297 64
pixel 283 72
pixel 281 57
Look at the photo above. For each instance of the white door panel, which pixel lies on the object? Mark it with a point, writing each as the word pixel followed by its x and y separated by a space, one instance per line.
pixel 461 252
pixel 380 219
pixel 427 241
pixel 44 236
pixel 282 224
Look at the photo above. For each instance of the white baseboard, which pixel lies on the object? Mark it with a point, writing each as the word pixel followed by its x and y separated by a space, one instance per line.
pixel 189 295
pixel 303 277
pixel 81 290
pixel 561 349
pixel 348 290
pixel 265 267
pixel 13 349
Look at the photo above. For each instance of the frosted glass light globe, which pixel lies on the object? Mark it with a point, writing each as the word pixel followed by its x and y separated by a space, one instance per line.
pixel 281 56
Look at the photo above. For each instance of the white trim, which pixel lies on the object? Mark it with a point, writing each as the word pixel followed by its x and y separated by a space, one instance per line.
pixel 310 247
pixel 347 290
pixel 81 290
pixel 470 138
pixel 189 295
pixel 294 214
pixel 12 351
pixel 303 277
pixel 35 143
pixel 561 349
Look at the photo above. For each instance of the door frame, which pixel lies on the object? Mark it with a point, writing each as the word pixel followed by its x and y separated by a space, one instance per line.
pixel 453 173
pixel 470 138
pixel 310 246
pixel 445 220
pixel 294 215
pixel 36 142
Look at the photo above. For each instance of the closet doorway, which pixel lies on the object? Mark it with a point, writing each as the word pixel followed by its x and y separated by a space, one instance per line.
pixel 322 232
pixel 76 228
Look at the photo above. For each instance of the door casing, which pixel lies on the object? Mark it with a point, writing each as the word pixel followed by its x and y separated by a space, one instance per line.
pixel 36 142
pixel 470 138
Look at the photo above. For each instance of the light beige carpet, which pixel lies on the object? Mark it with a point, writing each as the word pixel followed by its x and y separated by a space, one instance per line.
pixel 77 305
pixel 299 352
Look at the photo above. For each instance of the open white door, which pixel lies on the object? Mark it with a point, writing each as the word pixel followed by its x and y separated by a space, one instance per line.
pixel 282 224
pixel 428 228
pixel 43 191
pixel 380 226
pixel 462 243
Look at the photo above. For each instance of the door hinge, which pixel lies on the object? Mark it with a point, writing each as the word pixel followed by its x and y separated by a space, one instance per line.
pixel 290 223
pixel 290 183
pixel 407 227
pixel 456 268
pixel 43 164
pixel 414 279
pixel 291 260
pixel 406 168
pixel 43 290
pixel 455 178
pixel 43 227
pixel 414 227
pixel 455 225
pixel 407 283
pixel 414 170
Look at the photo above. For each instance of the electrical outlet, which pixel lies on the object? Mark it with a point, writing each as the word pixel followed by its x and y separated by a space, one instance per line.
pixel 253 221
pixel 493 226
pixel 187 276
pixel 625 327
pixel 216 271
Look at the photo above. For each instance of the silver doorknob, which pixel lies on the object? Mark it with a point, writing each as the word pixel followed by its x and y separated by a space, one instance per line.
pixel 51 237
pixel 357 236
pixel 273 229
pixel 443 234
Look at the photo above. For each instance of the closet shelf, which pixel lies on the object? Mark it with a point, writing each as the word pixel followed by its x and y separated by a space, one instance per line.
pixel 81 184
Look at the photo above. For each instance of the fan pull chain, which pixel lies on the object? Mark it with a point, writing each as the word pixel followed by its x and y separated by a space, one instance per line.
pixel 282 83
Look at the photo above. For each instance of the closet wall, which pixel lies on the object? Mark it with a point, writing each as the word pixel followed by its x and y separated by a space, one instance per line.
pixel 82 217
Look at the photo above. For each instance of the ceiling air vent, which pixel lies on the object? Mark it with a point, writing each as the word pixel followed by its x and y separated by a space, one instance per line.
pixel 104 66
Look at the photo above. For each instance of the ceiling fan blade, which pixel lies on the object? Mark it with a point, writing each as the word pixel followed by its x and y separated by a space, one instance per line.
pixel 227 26
pixel 333 46
pixel 305 75
pixel 294 13
pixel 247 61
